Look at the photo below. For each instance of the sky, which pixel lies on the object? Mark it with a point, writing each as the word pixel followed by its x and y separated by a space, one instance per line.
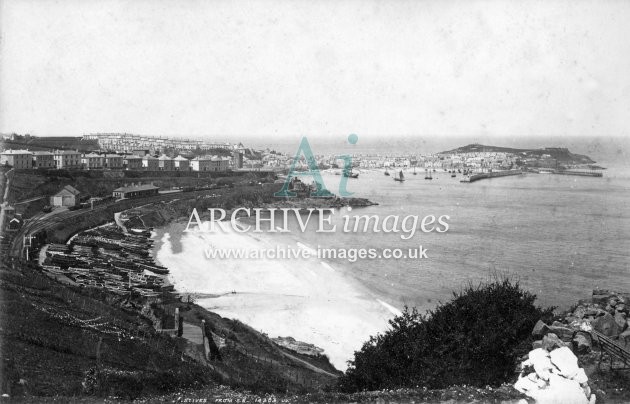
pixel 278 69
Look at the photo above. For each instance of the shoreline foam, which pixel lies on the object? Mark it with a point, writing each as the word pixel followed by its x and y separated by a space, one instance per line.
pixel 307 299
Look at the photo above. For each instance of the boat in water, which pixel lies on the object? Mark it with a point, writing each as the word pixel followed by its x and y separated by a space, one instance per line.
pixel 428 176
pixel 350 174
pixel 400 178
pixel 414 170
pixel 386 172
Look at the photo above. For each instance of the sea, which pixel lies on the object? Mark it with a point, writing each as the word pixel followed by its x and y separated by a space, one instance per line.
pixel 559 236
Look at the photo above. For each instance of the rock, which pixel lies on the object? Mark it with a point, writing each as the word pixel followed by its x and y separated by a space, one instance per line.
pixel 606 325
pixel 583 325
pixel 621 307
pixel 579 312
pixel 565 333
pixel 601 298
pixel 565 361
pixel 593 399
pixel 581 378
pixel 537 344
pixel 582 342
pixel 524 384
pixel 539 359
pixel 587 390
pixel 620 319
pixel 560 390
pixel 612 301
pixel 551 342
pixel 594 312
pixel 540 329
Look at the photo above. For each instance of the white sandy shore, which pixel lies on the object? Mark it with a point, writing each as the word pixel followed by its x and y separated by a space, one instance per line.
pixel 307 299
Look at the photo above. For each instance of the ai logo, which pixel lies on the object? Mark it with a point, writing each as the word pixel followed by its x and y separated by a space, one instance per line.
pixel 313 171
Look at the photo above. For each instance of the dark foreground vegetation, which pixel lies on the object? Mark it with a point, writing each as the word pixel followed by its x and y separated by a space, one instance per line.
pixel 475 339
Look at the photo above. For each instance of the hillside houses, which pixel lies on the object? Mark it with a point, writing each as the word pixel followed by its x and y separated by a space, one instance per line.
pixel 17 158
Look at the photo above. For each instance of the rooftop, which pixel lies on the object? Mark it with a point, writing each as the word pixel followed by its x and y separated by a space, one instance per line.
pixel 136 188
pixel 16 152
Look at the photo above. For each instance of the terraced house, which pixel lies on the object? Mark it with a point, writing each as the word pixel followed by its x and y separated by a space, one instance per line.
pixel 132 162
pixel 17 158
pixel 181 163
pixel 67 159
pixel 113 161
pixel 165 163
pixel 43 159
pixel 150 163
pixel 92 161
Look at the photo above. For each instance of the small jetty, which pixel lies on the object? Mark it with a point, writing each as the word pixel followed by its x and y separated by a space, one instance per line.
pixel 581 173
pixel 492 174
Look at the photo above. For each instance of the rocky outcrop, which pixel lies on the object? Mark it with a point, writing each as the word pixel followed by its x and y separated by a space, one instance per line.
pixel 606 312
pixel 553 376
pixel 551 372
pixel 298 346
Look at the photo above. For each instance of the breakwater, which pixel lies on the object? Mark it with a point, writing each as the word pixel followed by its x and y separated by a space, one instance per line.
pixel 493 174
pixel 580 173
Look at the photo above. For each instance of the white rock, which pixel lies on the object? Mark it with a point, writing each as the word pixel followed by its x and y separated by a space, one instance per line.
pixel 560 391
pixel 524 384
pixel 537 353
pixel 580 376
pixel 587 390
pixel 546 374
pixel 593 399
pixel 565 361
pixel 539 359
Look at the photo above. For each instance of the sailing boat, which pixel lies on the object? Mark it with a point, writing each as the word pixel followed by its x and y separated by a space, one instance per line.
pixel 414 170
pixel 350 174
pixel 428 176
pixel 386 172
pixel 400 178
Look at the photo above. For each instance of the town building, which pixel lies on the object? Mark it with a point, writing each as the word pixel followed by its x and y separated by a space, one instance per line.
pixel 43 159
pixel 113 161
pixel 67 159
pixel 150 163
pixel 201 163
pixel 220 164
pixel 181 163
pixel 17 158
pixel 132 162
pixel 68 196
pixel 165 163
pixel 136 191
pixel 92 161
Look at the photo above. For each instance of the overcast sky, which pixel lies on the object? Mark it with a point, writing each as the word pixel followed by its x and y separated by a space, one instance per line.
pixel 287 68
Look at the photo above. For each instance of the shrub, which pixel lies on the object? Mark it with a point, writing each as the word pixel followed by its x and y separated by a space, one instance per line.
pixel 474 339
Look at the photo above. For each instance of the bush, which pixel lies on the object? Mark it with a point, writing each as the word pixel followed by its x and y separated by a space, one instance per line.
pixel 474 339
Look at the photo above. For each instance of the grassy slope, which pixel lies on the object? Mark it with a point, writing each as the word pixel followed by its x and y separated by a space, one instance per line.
pixel 47 342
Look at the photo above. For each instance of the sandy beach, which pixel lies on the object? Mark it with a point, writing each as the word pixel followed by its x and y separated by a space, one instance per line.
pixel 306 298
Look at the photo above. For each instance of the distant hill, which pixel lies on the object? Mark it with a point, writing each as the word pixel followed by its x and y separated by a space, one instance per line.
pixel 562 154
